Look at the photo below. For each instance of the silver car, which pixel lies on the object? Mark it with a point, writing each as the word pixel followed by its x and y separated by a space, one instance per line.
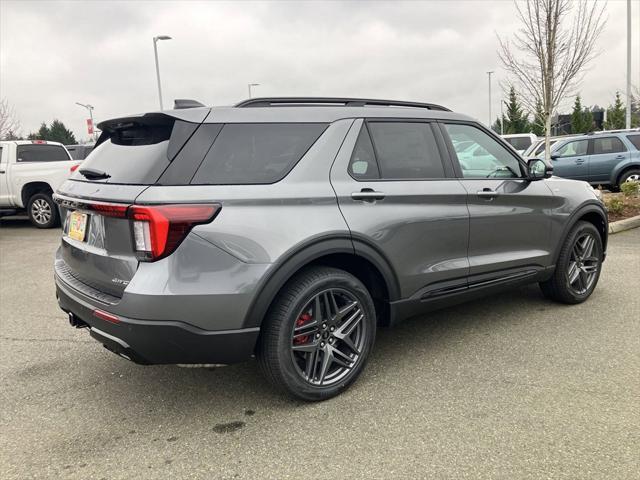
pixel 290 229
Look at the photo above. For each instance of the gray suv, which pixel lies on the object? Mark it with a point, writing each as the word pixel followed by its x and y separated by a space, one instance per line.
pixel 291 228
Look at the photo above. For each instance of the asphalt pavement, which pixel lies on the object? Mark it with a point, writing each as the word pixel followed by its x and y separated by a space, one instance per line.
pixel 511 387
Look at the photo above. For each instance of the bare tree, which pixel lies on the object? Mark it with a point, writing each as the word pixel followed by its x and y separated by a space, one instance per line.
pixel 550 51
pixel 9 124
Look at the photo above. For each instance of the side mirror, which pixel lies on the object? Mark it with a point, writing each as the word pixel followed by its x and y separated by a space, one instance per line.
pixel 554 156
pixel 538 169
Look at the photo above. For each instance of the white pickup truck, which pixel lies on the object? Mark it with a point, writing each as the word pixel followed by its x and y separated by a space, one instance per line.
pixel 30 171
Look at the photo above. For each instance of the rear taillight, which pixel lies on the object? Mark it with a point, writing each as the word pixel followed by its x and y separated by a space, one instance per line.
pixel 159 229
pixel 74 168
pixel 115 210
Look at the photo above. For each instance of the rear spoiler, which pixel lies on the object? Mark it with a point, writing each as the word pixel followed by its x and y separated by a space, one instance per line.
pixel 154 119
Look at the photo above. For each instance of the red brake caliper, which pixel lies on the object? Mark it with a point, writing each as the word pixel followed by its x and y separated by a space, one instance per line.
pixel 304 318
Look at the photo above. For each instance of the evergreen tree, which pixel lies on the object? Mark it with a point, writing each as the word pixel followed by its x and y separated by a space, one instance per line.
pixel 496 127
pixel 581 118
pixel 56 132
pixel 635 111
pixel 517 120
pixel 59 133
pixel 537 126
pixel 41 134
pixel 616 115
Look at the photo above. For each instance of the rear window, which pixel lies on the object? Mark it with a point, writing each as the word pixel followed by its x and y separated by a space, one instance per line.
pixel 40 152
pixel 406 150
pixel 608 145
pixel 635 139
pixel 134 153
pixel 519 143
pixel 252 153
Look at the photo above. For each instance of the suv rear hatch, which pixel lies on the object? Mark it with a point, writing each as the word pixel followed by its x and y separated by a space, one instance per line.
pixel 98 253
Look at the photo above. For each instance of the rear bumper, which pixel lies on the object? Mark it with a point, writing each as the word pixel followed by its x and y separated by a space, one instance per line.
pixel 157 342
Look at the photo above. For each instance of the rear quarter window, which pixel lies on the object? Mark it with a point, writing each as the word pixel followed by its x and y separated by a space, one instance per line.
pixel 635 140
pixel 41 153
pixel 253 153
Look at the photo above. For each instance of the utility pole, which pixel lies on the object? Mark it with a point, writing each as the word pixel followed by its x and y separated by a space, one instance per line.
pixel 489 74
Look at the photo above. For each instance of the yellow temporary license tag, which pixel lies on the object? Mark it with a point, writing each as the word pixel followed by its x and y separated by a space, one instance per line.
pixel 78 225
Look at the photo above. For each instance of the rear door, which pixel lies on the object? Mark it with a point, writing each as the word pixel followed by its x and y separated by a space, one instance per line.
pixel 571 160
pixel 605 153
pixel 509 227
pixel 399 196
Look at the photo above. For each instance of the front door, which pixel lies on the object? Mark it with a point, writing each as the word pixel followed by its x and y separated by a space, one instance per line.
pixel 509 227
pixel 399 198
pixel 571 160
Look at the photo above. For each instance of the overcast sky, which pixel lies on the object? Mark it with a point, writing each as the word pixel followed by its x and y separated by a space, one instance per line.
pixel 53 54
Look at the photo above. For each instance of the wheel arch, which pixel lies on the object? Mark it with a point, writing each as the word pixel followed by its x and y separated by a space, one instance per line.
pixel 370 267
pixel 593 213
pixel 625 168
pixel 31 188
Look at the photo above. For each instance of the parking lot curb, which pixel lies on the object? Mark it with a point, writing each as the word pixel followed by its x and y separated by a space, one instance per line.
pixel 626 224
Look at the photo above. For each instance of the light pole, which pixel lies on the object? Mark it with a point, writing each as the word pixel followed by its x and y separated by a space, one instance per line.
pixel 502 116
pixel 489 75
pixel 628 119
pixel 90 108
pixel 155 52
pixel 252 85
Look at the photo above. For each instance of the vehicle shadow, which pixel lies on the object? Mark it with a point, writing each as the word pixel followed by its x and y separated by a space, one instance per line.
pixel 415 341
pixel 16 222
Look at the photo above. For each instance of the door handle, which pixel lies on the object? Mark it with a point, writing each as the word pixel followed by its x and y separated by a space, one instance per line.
pixel 487 193
pixel 579 161
pixel 619 157
pixel 367 195
pixel 2 171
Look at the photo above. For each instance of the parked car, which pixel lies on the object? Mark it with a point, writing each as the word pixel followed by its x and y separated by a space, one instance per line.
pixel 536 150
pixel 291 228
pixel 520 141
pixel 80 152
pixel 602 158
pixel 30 171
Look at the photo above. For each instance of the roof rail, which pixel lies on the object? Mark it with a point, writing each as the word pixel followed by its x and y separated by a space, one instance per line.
pixel 331 101
pixel 180 103
pixel 619 130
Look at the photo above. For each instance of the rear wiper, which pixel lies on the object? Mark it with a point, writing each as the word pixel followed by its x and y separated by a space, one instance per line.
pixel 93 174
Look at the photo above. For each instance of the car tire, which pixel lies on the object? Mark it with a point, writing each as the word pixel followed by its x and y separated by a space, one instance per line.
pixel 42 211
pixel 633 174
pixel 578 267
pixel 317 336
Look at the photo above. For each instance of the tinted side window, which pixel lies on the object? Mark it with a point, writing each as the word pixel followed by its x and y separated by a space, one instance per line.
pixel 406 150
pixel 254 153
pixel 608 145
pixel 485 157
pixel 519 143
pixel 40 152
pixel 635 139
pixel 363 165
pixel 573 149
